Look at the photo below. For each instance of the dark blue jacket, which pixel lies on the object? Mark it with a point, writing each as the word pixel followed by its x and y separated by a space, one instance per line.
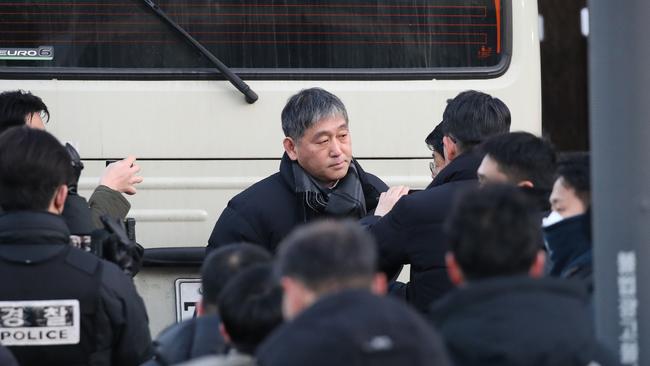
pixel 412 232
pixel 519 321
pixel 569 247
pixel 354 328
pixel 35 252
pixel 187 340
pixel 269 210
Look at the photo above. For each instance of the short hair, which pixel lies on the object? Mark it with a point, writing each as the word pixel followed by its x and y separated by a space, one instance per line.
pixel 574 170
pixel 472 116
pixel 33 164
pixel 523 156
pixel 306 108
pixel 250 307
pixel 328 256
pixel 16 105
pixel 494 231
pixel 434 139
pixel 224 263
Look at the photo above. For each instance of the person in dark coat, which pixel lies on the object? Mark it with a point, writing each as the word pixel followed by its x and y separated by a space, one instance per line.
pixel 18 108
pixel 334 309
pixel 318 178
pixel 62 305
pixel 434 143
pixel 250 307
pixel 411 233
pixel 200 336
pixel 568 236
pixel 503 312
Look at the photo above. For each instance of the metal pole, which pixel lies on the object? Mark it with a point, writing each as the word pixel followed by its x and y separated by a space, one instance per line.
pixel 619 75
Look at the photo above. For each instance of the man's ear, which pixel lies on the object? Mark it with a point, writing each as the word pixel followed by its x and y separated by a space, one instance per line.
pixel 453 270
pixel 224 333
pixel 450 148
pixel 525 184
pixel 379 284
pixel 290 148
pixel 58 201
pixel 537 268
pixel 296 297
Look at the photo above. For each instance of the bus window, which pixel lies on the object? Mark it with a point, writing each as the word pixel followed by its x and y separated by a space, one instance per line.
pixel 417 37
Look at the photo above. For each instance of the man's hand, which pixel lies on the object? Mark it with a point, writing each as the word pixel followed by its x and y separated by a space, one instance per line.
pixel 121 175
pixel 388 199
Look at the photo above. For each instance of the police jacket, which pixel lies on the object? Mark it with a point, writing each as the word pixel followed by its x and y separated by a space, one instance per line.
pixel 64 306
pixel 519 321
pixel 412 232
pixel 267 211
pixel 190 339
pixel 6 358
pixel 354 328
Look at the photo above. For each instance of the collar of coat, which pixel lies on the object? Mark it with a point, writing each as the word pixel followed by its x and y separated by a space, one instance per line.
pixel 33 227
pixel 370 193
pixel 488 291
pixel 464 167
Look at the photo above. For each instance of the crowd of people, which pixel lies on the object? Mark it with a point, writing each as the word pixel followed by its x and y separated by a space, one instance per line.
pixel 301 268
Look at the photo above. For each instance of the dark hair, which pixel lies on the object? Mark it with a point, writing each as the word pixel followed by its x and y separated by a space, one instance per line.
pixel 434 140
pixel 250 307
pixel 224 263
pixel 523 156
pixel 16 105
pixel 574 170
pixel 472 116
pixel 329 255
pixel 494 231
pixel 306 108
pixel 33 164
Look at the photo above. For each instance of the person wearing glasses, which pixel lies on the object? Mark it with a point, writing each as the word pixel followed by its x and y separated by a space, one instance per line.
pixel 434 143
pixel 411 232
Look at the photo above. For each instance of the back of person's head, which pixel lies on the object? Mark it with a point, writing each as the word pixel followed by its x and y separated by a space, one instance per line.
pixel 308 107
pixel 493 232
pixel 523 158
pixel 250 307
pixel 472 116
pixel 328 256
pixel 574 173
pixel 223 264
pixel 17 105
pixel 33 167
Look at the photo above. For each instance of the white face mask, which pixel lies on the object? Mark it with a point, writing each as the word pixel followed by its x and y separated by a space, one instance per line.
pixel 553 218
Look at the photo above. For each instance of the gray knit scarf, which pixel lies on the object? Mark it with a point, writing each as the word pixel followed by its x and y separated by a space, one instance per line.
pixel 346 199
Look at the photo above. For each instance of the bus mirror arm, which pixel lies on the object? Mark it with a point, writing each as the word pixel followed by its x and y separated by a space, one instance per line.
pixel 235 80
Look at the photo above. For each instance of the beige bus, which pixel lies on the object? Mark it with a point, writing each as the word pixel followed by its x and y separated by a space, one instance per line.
pixel 119 80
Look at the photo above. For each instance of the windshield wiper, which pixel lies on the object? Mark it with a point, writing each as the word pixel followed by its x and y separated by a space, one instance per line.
pixel 250 95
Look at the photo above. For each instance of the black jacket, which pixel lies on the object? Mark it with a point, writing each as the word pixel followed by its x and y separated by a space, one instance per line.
pixel 6 358
pixel 187 340
pixel 354 328
pixel 34 251
pixel 269 210
pixel 518 321
pixel 412 232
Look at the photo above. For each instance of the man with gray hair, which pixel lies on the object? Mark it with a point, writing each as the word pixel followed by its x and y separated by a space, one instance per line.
pixel 318 178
